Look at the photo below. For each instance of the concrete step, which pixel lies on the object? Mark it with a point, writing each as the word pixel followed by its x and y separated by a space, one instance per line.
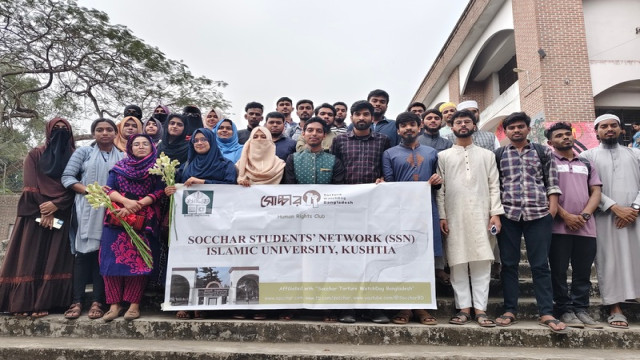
pixel 525 334
pixel 70 349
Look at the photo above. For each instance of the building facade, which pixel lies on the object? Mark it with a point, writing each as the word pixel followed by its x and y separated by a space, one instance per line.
pixel 568 60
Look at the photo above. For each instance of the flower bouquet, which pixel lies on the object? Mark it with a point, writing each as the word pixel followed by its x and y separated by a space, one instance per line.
pixel 166 168
pixel 97 198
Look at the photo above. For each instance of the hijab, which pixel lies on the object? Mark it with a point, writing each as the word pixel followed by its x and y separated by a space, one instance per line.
pixel 156 138
pixel 57 149
pixel 209 166
pixel 177 148
pixel 230 147
pixel 161 117
pixel 218 113
pixel 133 168
pixel 258 162
pixel 193 118
pixel 120 141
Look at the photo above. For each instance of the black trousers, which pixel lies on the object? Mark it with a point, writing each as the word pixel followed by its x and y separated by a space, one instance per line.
pixel 86 267
pixel 580 251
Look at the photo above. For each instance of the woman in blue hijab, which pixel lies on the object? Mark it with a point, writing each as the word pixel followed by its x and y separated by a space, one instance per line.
pixel 227 139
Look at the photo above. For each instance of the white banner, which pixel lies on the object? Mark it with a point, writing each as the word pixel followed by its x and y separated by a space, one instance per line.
pixel 301 246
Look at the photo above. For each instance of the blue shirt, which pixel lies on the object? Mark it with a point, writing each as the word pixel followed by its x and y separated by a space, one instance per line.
pixel 401 163
pixel 285 147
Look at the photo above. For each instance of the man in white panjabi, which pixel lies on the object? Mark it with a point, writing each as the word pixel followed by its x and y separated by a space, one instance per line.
pixel 469 206
pixel 617 228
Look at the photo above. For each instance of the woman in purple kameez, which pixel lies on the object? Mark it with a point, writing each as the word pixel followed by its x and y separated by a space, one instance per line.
pixel 137 193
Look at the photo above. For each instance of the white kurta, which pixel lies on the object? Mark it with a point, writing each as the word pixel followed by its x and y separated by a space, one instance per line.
pixel 469 196
pixel 618 254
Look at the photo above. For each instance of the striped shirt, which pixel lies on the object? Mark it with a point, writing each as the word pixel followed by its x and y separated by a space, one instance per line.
pixel 523 191
pixel 361 156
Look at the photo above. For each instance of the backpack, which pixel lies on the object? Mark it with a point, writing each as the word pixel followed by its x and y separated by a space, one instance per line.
pixel 542 155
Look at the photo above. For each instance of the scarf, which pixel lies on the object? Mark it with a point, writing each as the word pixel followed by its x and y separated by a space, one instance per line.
pixel 133 168
pixel 230 147
pixel 218 113
pixel 209 166
pixel 258 162
pixel 121 141
pixel 176 148
pixel 57 150
pixel 156 138
pixel 161 117
pixel 193 119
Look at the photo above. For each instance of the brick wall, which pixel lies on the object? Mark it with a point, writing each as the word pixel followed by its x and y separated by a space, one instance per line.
pixel 8 211
pixel 560 83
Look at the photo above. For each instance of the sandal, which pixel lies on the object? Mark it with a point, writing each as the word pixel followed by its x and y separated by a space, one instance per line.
pixel 74 311
pixel 95 312
pixel 484 321
pixel 260 316
pixel 512 320
pixel 21 315
pixel 425 318
pixel 556 322
pixel 39 314
pixel 198 315
pixel 619 318
pixel 239 316
pixel 460 318
pixel 330 317
pixel 285 316
pixel 402 317
pixel 131 314
pixel 183 315
pixel 111 314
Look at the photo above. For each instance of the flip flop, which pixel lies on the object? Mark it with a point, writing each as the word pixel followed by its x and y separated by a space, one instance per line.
pixel 183 315
pixel 74 311
pixel 425 318
pixel 484 321
pixel 548 323
pixel 95 312
pixel 402 317
pixel 512 320
pixel 618 317
pixel 460 318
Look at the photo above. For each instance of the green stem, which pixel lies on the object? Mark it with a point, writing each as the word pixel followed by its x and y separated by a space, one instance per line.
pixel 170 218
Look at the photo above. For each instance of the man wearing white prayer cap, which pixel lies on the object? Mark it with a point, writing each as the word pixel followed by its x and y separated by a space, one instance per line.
pixel 480 138
pixel 617 228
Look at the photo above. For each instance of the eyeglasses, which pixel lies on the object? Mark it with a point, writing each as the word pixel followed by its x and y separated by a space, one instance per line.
pixel 460 122
pixel 200 140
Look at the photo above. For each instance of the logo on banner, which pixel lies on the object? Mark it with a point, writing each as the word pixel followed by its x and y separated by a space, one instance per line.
pixel 197 202
pixel 311 198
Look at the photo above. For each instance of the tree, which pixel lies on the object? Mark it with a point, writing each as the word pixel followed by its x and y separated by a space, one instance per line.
pixel 207 275
pixel 70 61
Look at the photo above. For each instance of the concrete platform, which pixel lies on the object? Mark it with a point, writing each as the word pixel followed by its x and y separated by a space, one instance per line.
pixel 68 349
pixel 525 334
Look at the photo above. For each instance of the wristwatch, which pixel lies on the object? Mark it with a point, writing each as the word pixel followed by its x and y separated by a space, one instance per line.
pixel 635 206
pixel 586 216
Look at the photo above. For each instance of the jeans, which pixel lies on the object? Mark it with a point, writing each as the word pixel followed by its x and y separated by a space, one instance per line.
pixel 581 251
pixel 537 239
pixel 86 266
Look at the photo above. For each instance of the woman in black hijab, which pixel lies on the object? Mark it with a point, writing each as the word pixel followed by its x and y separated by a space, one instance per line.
pixel 174 143
pixel 37 270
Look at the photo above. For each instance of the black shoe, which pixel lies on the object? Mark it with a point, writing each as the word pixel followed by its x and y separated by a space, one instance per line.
pixel 347 317
pixel 376 316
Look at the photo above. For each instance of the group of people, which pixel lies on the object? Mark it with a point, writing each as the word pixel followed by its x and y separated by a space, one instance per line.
pixel 485 197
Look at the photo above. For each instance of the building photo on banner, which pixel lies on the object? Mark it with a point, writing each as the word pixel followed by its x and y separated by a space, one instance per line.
pixel 301 246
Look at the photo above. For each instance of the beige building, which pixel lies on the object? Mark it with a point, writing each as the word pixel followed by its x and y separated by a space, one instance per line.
pixel 568 60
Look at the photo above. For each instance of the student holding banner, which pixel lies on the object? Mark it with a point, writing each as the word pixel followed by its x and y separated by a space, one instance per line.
pixel 411 161
pixel 359 145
